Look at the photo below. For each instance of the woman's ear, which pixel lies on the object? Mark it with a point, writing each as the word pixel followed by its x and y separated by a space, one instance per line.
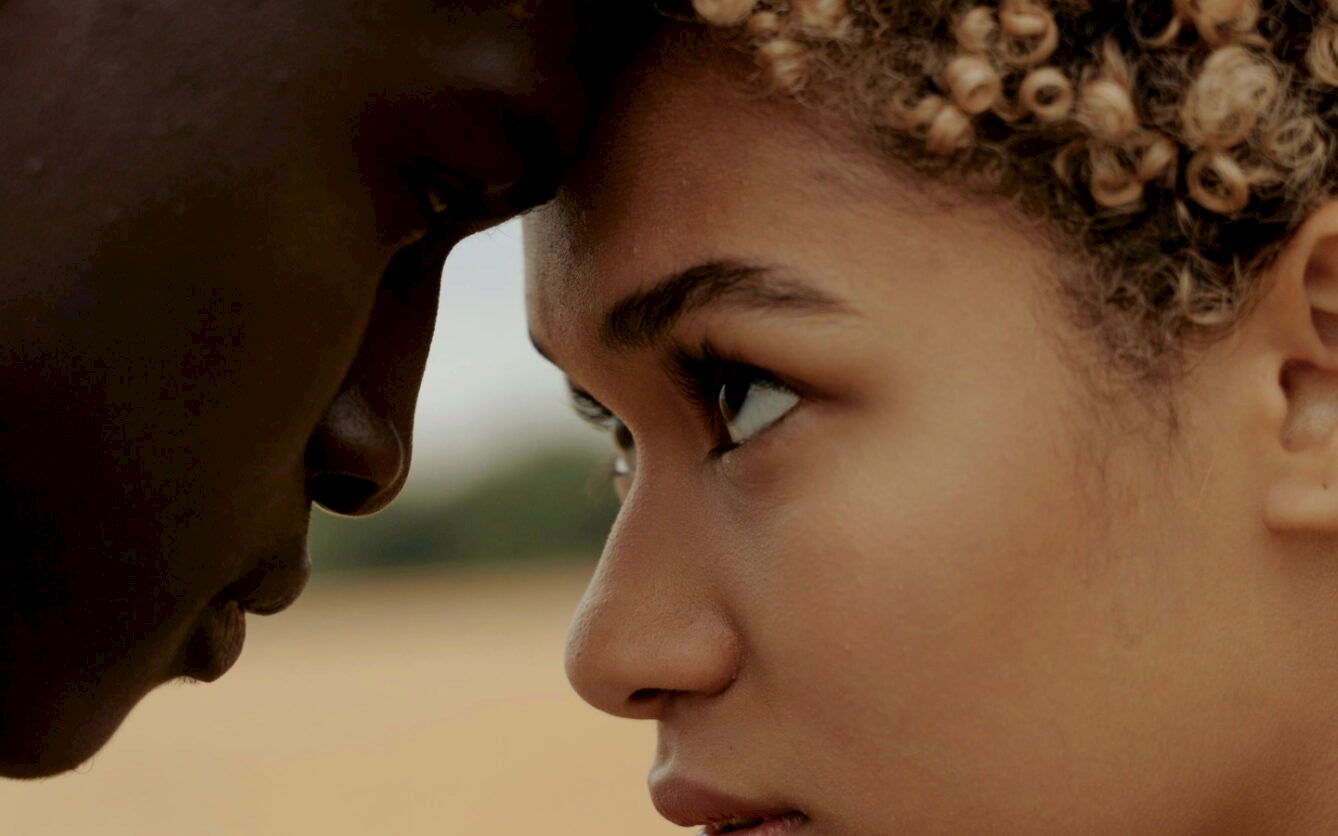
pixel 1298 317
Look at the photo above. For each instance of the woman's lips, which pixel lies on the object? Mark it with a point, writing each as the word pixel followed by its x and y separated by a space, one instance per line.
pixel 689 804
pixel 771 826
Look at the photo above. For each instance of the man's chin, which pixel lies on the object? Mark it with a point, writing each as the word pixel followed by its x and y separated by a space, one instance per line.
pixel 35 771
pixel 27 766
pixel 45 744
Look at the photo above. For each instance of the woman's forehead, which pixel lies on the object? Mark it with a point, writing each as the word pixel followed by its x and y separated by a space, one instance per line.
pixel 672 168
pixel 685 162
pixel 711 185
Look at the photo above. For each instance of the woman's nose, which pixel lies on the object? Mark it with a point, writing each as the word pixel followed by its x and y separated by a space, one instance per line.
pixel 652 627
pixel 358 456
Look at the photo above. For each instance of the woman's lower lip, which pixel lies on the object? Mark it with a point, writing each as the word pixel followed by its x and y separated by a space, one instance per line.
pixel 217 642
pixel 778 826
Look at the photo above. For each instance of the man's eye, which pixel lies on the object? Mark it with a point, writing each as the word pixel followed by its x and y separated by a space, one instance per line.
pixel 750 402
pixel 443 193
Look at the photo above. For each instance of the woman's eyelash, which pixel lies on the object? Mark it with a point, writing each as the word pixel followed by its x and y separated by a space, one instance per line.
pixel 601 418
pixel 592 411
pixel 700 375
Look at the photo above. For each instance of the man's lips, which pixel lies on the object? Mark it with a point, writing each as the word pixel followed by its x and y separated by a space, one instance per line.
pixel 689 804
pixel 217 642
pixel 273 585
pixel 215 645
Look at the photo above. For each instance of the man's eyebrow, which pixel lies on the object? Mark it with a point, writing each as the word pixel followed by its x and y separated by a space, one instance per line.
pixel 646 316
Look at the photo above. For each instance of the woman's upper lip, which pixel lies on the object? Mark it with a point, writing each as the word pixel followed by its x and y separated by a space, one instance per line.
pixel 687 803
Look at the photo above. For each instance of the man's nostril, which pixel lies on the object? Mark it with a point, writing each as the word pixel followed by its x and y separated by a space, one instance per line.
pixel 355 459
pixel 341 494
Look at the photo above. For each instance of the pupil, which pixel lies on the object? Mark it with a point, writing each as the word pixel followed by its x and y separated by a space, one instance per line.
pixel 733 395
pixel 624 462
pixel 622 438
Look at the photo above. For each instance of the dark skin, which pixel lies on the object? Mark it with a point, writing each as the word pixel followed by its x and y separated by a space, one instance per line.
pixel 224 229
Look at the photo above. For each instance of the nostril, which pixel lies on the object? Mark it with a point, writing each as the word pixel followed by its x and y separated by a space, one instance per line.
pixel 355 459
pixel 645 695
pixel 347 495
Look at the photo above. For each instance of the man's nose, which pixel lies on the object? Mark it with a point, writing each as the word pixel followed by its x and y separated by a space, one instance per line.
pixel 356 459
pixel 358 456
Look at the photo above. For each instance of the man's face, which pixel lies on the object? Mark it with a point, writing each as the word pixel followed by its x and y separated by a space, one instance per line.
pixel 213 311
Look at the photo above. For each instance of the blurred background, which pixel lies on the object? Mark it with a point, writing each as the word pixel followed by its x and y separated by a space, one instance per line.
pixel 417 686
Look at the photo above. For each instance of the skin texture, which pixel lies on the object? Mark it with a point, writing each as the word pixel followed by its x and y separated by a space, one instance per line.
pixel 200 335
pixel 964 585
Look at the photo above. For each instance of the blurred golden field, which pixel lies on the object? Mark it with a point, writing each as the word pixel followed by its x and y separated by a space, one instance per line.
pixel 423 703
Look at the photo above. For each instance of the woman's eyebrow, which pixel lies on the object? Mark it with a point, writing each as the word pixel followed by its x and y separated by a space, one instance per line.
pixel 646 316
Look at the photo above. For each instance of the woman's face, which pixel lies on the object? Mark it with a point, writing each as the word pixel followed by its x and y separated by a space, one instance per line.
pixel 887 562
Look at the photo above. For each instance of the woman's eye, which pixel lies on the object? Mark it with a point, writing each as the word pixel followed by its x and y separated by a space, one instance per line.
pixel 624 446
pixel 624 450
pixel 750 402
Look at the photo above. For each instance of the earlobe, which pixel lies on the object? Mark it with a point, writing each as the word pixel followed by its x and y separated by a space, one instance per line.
pixel 1303 505
pixel 1302 308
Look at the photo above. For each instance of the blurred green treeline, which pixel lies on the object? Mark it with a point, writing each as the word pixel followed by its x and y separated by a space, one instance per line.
pixel 553 505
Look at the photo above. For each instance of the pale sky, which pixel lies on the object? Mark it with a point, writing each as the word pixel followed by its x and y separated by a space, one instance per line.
pixel 487 395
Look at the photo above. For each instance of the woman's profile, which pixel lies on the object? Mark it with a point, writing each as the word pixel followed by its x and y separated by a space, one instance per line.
pixel 973 371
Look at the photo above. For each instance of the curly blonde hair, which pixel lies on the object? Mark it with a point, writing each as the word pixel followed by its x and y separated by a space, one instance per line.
pixel 1179 142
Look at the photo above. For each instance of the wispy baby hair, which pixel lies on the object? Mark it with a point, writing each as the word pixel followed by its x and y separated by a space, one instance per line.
pixel 1178 141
